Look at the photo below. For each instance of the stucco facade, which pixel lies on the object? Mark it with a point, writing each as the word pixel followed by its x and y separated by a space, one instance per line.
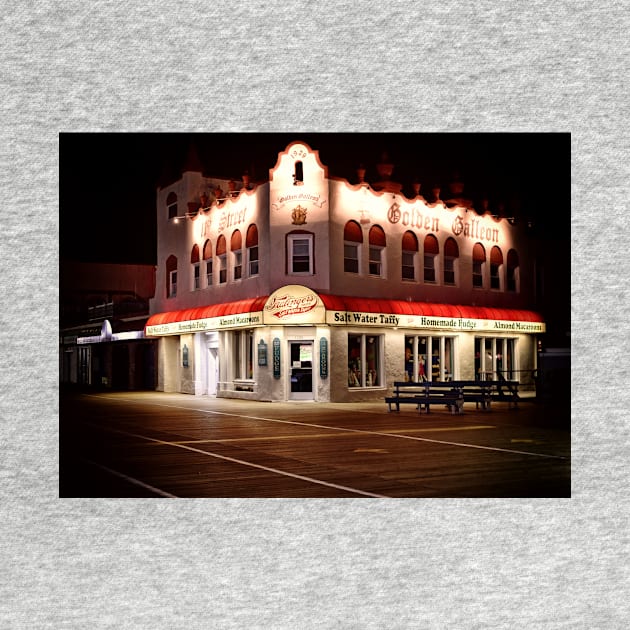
pixel 308 287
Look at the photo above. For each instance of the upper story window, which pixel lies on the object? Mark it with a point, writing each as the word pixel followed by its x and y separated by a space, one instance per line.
pixel 352 241
pixel 377 249
pixel 298 175
pixel 207 257
pixel 496 261
pixel 451 255
pixel 171 205
pixel 409 255
pixel 479 263
pixel 300 253
pixel 431 252
pixel 513 275
pixel 171 276
pixel 236 247
pixel 196 268
pixel 251 243
pixel 222 259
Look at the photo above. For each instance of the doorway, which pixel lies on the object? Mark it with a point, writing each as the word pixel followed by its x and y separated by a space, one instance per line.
pixel 301 370
pixel 213 371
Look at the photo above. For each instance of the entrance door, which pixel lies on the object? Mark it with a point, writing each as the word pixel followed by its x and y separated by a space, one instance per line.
pixel 301 370
pixel 213 371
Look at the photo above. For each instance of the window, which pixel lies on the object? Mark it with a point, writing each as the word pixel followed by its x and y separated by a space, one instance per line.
pixel 300 254
pixel 251 243
pixel 222 256
pixel 236 244
pixel 242 342
pixel 495 357
pixel 377 247
pixel 172 283
pixel 451 254
pixel 479 261
pixel 364 360
pixel 431 251
pixel 512 271
pixel 207 256
pixel 196 267
pixel 171 205
pixel 352 240
pixel 429 358
pixel 171 276
pixel 496 260
pixel 298 175
pixel 409 255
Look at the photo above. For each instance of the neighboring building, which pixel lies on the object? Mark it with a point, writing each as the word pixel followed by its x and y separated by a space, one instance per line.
pixel 308 287
pixel 104 308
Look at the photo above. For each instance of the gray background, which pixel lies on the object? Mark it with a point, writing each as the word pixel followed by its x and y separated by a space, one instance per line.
pixel 306 66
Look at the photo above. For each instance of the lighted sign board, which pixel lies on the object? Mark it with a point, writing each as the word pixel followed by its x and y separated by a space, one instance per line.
pixel 294 304
pixel 210 323
pixel 348 318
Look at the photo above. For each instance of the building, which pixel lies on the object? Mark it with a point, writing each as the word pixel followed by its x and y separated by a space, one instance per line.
pixel 104 308
pixel 309 287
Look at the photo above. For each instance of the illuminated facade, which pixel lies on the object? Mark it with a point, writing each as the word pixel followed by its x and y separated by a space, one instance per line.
pixel 308 287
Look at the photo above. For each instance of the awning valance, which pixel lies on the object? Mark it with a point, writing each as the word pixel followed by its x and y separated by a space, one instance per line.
pixel 295 304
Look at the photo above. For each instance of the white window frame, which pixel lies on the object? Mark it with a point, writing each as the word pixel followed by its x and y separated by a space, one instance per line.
pixel 209 272
pixel 237 265
pixel 373 261
pixel 434 267
pixel 357 247
pixel 453 260
pixel 196 276
pixel 222 268
pixel 292 239
pixel 414 258
pixel 172 283
pixel 253 264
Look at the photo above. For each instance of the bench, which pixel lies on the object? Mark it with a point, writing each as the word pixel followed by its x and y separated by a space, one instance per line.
pixel 425 394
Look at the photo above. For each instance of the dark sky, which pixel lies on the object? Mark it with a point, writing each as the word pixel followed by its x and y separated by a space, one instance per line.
pixel 108 181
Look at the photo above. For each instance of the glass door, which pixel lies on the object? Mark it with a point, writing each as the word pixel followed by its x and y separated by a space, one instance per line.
pixel 301 370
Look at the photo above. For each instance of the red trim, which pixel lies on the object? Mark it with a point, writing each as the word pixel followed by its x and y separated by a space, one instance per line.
pixel 353 304
pixel 251 305
pixel 429 309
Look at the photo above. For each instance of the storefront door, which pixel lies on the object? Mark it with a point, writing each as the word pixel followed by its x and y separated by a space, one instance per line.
pixel 301 370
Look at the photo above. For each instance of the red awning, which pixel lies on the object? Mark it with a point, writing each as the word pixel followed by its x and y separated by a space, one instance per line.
pixel 251 305
pixel 428 309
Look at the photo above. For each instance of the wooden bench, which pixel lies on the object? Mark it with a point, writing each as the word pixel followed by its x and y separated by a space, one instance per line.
pixel 425 394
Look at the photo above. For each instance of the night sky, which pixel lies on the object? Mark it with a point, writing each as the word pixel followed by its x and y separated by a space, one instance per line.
pixel 108 181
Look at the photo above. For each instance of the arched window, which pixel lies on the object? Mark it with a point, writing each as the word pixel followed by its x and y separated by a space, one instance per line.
pixel 352 240
pixel 207 256
pixel 409 255
pixel 251 243
pixel 171 276
pixel 196 268
pixel 236 247
pixel 298 175
pixel 496 260
pixel 479 262
pixel 431 252
pixel 171 205
pixel 377 249
pixel 222 256
pixel 512 271
pixel 451 254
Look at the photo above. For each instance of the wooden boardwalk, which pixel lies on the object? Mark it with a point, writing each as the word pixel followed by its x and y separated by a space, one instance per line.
pixel 152 444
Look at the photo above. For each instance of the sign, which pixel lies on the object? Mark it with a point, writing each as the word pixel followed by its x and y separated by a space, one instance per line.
pixel 276 358
pixel 323 357
pixel 262 353
pixel 430 322
pixel 294 304
pixel 211 323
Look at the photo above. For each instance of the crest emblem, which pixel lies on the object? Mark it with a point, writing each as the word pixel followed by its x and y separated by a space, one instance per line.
pixel 298 215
